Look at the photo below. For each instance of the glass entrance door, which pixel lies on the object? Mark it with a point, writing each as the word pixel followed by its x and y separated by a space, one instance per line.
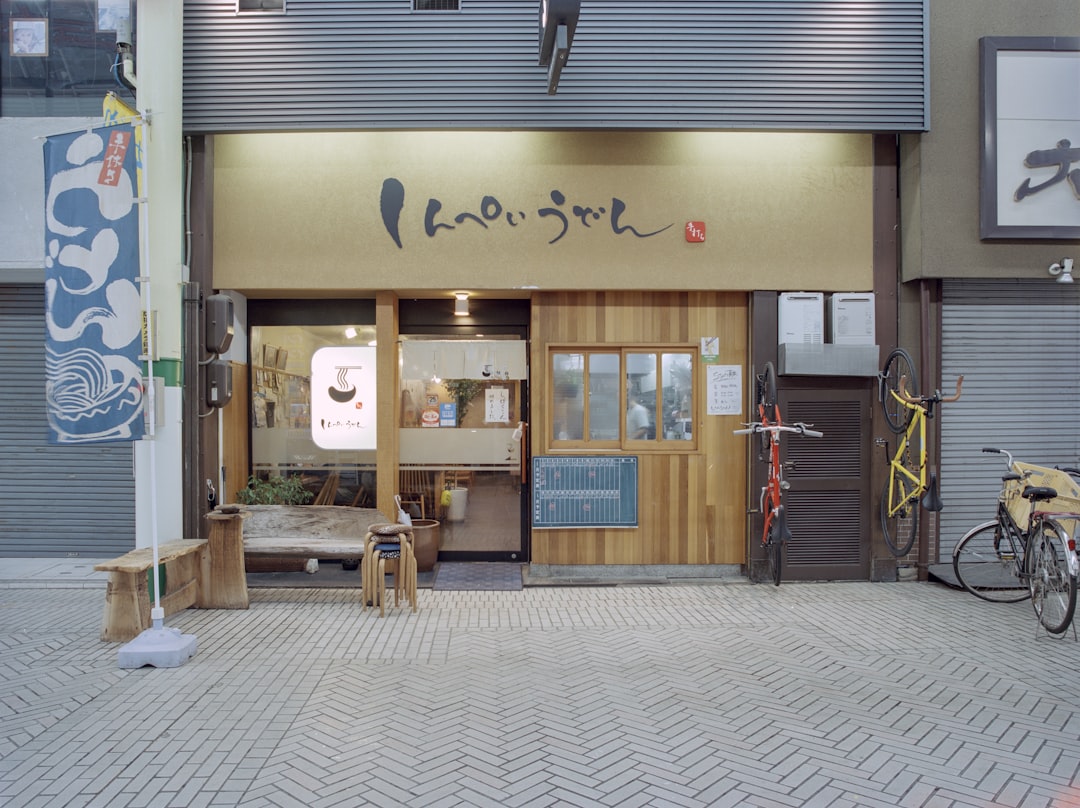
pixel 461 442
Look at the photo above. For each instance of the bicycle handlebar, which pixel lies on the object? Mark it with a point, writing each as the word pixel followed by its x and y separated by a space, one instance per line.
pixel 903 393
pixel 990 450
pixel 801 429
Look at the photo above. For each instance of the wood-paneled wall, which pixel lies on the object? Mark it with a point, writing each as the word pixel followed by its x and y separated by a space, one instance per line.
pixel 236 435
pixel 691 507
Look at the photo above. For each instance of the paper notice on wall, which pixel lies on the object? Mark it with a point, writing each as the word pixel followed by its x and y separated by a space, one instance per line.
pixel 723 389
pixel 497 405
pixel 710 350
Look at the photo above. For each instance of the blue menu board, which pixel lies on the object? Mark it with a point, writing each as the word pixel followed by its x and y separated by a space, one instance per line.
pixel 591 491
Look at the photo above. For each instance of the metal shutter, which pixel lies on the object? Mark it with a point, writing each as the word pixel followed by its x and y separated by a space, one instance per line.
pixel 54 500
pixel 791 65
pixel 1017 343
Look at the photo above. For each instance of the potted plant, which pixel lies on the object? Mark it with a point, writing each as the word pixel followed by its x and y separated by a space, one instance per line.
pixel 463 391
pixel 287 490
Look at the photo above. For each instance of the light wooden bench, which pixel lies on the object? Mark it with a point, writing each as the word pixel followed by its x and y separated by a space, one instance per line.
pixel 128 598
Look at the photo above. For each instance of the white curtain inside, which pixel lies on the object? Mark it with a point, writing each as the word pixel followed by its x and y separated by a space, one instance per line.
pixel 463 359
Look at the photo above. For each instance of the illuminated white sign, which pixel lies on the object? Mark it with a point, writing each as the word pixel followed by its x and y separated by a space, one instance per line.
pixel 343 398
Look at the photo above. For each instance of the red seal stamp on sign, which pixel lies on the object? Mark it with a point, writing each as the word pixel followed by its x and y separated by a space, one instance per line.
pixel 695 232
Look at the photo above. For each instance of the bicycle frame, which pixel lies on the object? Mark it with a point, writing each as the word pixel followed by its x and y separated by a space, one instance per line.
pixel 770 503
pixel 774 531
pixel 900 476
pixel 910 484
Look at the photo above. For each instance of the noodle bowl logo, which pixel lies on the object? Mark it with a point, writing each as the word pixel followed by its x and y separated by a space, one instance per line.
pixel 343 393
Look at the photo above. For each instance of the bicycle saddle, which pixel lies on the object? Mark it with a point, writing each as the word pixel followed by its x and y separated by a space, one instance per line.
pixel 1039 492
pixel 932 499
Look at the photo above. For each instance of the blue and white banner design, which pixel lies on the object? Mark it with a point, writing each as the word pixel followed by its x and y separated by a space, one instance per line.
pixel 93 309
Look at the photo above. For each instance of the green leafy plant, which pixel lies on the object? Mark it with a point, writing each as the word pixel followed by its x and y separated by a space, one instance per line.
pixel 463 391
pixel 274 491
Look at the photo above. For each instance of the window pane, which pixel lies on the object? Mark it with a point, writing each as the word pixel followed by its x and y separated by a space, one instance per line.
pixel 677 398
pixel 67 68
pixel 281 441
pixel 568 421
pixel 640 396
pixel 603 396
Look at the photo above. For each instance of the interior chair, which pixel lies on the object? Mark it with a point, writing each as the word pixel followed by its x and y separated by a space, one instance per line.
pixel 415 490
pixel 328 493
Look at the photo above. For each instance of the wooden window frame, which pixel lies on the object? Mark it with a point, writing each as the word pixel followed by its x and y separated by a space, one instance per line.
pixel 658 443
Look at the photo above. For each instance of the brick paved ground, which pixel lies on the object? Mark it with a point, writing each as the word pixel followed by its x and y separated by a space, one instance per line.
pixel 852 694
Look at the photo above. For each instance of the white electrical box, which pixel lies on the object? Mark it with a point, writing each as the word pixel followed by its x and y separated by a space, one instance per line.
pixel 851 318
pixel 801 318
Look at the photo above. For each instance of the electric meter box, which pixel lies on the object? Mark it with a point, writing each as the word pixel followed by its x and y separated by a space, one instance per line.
pixel 801 318
pixel 851 318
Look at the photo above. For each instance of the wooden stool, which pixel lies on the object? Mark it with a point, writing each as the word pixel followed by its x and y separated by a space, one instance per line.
pixel 388 548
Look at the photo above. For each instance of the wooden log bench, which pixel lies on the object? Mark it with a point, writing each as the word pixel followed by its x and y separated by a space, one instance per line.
pixel 286 538
pixel 128 598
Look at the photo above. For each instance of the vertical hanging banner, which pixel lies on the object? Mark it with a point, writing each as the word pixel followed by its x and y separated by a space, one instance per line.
pixel 93 308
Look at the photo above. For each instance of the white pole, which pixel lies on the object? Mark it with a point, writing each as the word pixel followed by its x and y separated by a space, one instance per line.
pixel 151 392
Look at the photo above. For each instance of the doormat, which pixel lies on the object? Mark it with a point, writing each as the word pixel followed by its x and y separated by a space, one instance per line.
pixel 479 576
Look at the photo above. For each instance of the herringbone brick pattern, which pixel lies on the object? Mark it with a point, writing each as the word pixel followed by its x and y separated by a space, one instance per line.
pixel 730 694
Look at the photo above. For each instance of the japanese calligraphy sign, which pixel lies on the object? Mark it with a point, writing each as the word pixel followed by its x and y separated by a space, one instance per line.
pixel 557 214
pixel 1031 138
pixel 112 168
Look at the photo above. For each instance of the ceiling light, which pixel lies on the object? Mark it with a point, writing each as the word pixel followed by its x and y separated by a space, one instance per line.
pixel 350 333
pixel 461 305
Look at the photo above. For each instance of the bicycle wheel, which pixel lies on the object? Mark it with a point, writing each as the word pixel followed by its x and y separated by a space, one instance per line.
pixel 774 551
pixel 1053 588
pixel 766 392
pixel 987 564
pixel 898 364
pixel 766 401
pixel 900 527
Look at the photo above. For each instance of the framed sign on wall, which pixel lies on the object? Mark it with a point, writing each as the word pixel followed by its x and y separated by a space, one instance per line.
pixel 1030 115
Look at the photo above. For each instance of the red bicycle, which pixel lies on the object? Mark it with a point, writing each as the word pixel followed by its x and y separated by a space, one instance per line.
pixel 774 533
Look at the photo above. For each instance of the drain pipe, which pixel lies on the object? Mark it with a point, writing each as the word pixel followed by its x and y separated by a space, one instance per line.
pixel 931 459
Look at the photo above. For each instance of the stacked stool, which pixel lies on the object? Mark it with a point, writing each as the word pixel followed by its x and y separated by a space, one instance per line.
pixel 388 548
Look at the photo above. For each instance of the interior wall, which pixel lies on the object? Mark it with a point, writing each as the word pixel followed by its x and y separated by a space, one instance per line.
pixel 692 505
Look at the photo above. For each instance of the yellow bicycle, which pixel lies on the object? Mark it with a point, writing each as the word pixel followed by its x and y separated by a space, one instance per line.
pixel 910 483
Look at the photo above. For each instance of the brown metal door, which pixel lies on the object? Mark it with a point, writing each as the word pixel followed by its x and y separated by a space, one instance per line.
pixel 828 503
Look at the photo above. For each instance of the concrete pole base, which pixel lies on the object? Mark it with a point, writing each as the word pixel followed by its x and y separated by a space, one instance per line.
pixel 159 647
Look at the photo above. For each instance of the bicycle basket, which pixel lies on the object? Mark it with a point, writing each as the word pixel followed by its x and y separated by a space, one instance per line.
pixel 1067 501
